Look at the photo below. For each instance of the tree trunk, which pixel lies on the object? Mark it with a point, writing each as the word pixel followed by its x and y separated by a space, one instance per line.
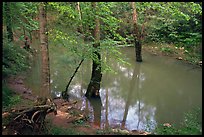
pixel 44 50
pixel 138 50
pixel 138 45
pixel 80 18
pixel 8 21
pixel 94 85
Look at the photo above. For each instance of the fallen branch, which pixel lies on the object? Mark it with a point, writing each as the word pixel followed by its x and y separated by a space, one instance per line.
pixel 64 93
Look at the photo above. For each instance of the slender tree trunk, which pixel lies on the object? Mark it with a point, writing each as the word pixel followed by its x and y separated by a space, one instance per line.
pixel 138 45
pixel 64 93
pixel 94 85
pixel 80 18
pixel 44 50
pixel 8 21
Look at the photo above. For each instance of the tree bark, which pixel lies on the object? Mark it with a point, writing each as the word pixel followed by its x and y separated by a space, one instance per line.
pixel 96 76
pixel 8 21
pixel 44 50
pixel 138 45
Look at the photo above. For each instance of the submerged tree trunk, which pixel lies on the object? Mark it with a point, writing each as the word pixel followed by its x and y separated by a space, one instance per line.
pixel 138 45
pixel 138 50
pixel 44 50
pixel 96 76
pixel 8 21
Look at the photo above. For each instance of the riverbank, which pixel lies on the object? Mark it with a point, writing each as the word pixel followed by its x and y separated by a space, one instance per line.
pixel 179 53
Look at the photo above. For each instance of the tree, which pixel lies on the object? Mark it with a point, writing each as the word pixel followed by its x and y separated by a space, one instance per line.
pixel 96 76
pixel 8 21
pixel 138 46
pixel 44 50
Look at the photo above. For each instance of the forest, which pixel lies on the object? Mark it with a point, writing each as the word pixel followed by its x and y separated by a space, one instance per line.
pixel 102 68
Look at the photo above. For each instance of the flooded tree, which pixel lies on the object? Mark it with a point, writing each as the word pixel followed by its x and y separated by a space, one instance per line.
pixel 44 50
pixel 94 85
pixel 138 45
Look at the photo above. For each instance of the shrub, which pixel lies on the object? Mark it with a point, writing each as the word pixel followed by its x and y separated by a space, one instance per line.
pixel 15 59
pixel 8 97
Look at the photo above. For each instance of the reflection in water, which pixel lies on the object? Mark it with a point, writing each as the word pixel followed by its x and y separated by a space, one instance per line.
pixel 96 104
pixel 133 82
pixel 106 116
pixel 158 90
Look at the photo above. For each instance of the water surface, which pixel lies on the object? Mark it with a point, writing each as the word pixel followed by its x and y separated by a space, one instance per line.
pixel 158 90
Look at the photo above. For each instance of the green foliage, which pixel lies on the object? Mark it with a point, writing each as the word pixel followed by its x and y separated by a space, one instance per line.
pixel 15 59
pixel 109 48
pixel 191 125
pixel 8 97
pixel 64 9
pixel 22 16
pixel 177 22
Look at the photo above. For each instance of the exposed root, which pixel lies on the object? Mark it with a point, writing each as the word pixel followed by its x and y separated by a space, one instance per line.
pixel 29 120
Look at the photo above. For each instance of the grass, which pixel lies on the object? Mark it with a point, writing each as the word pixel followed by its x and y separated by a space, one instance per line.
pixel 55 130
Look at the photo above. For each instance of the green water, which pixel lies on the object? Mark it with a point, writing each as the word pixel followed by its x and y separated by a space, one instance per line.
pixel 158 90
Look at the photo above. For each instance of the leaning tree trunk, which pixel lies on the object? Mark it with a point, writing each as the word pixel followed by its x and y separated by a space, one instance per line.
pixel 44 50
pixel 138 45
pixel 96 76
pixel 8 21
